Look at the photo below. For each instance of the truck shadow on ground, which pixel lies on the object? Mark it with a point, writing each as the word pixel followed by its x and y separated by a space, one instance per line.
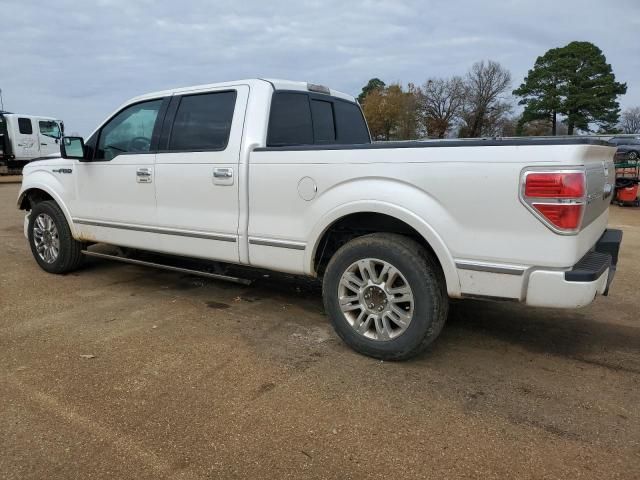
pixel 577 335
pixel 571 334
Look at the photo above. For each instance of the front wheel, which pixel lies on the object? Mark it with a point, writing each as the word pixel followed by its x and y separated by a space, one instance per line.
pixel 632 156
pixel 385 296
pixel 52 244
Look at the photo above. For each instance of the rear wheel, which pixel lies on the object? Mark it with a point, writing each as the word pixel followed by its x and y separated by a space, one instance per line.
pixel 633 155
pixel 385 296
pixel 52 244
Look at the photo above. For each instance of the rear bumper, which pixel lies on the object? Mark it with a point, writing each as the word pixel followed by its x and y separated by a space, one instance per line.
pixel 577 287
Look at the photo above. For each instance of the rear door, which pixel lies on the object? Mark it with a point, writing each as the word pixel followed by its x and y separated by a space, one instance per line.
pixel 26 145
pixel 197 173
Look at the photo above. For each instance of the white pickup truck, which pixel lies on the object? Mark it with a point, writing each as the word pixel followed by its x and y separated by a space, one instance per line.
pixel 283 175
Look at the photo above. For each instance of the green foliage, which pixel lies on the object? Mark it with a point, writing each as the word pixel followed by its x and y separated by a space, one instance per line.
pixel 575 81
pixel 373 84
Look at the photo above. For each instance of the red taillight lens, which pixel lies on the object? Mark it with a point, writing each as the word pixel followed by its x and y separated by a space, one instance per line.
pixel 554 185
pixel 557 197
pixel 563 216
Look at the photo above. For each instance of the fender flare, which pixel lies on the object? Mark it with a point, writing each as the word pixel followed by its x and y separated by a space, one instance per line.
pixel 51 192
pixel 371 206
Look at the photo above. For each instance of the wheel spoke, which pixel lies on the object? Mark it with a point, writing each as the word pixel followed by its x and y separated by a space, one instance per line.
pixel 348 307
pixel 352 282
pixel 363 323
pixel 401 290
pixel 399 317
pixel 349 299
pixel 405 297
pixel 367 270
pixel 383 328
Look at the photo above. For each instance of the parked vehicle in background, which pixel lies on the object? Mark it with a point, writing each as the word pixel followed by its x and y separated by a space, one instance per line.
pixel 283 175
pixel 628 147
pixel 26 137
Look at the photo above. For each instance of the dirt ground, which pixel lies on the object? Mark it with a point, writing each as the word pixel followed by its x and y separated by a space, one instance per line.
pixel 119 371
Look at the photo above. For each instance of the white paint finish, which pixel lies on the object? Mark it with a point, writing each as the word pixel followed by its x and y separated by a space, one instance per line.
pixel 61 187
pixel 190 197
pixel 550 289
pixel 490 284
pixel 462 200
pixel 307 189
pixel 29 146
pixel 109 191
pixel 199 247
pixel 444 187
pixel 275 258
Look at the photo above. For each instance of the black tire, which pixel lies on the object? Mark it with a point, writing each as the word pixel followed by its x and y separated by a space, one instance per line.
pixel 633 155
pixel 424 277
pixel 69 255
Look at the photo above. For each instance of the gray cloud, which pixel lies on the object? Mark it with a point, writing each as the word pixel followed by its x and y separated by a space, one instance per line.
pixel 79 60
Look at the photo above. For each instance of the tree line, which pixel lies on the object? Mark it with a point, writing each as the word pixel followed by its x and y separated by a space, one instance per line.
pixel 569 89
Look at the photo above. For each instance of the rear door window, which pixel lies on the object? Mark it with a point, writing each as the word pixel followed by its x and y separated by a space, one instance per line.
pixel 324 129
pixel 203 122
pixel 24 126
pixel 350 125
pixel 290 120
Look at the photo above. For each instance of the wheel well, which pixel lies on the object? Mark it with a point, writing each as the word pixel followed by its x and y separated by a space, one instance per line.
pixel 33 196
pixel 357 224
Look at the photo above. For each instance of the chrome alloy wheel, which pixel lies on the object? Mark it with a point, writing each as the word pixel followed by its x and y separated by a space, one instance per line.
pixel 376 299
pixel 45 238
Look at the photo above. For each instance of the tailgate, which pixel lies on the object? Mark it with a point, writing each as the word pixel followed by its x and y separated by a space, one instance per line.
pixel 600 173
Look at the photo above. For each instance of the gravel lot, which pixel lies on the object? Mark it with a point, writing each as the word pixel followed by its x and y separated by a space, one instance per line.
pixel 118 371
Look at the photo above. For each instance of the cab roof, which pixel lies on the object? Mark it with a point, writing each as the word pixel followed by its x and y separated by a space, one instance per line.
pixel 276 84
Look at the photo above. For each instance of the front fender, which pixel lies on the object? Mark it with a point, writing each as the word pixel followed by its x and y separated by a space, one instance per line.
pixel 48 183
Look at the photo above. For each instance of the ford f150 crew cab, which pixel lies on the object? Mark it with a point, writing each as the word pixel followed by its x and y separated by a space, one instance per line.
pixel 283 175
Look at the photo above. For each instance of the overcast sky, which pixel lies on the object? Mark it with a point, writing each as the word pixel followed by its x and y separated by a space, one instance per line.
pixel 79 60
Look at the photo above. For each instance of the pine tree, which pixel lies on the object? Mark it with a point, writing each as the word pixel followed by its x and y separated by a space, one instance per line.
pixel 575 81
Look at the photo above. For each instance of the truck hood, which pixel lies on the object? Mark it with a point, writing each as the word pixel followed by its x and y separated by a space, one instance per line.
pixel 53 160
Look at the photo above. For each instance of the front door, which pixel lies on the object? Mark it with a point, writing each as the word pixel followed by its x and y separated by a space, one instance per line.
pixel 197 173
pixel 115 195
pixel 49 136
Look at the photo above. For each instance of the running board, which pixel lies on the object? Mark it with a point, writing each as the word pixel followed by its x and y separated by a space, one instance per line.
pixel 144 263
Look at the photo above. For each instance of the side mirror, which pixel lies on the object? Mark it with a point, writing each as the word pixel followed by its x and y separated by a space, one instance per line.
pixel 72 147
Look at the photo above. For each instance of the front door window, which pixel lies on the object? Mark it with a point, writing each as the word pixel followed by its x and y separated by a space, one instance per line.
pixel 129 131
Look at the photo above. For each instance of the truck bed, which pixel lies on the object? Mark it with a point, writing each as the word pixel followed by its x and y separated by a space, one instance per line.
pixel 487 142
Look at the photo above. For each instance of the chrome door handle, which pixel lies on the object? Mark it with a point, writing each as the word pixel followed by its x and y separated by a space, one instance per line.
pixel 143 175
pixel 223 176
pixel 223 173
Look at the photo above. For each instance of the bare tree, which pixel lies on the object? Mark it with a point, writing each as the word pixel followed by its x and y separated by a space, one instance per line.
pixel 630 120
pixel 485 85
pixel 440 104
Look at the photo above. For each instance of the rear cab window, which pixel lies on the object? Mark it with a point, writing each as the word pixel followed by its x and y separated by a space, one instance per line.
pixel 25 126
pixel 301 118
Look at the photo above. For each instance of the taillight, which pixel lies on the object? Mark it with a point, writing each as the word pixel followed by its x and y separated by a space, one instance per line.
pixel 556 197
pixel 554 185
